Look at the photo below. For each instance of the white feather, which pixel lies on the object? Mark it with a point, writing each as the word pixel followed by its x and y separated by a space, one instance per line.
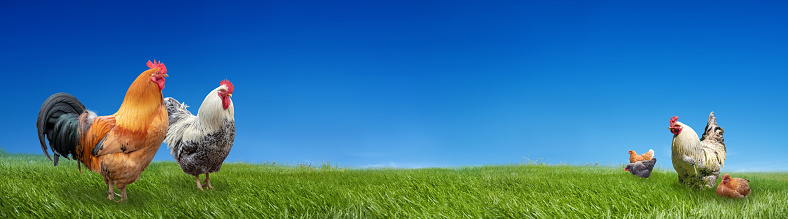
pixel 209 119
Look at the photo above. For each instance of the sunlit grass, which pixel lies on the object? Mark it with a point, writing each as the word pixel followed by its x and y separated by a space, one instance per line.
pixel 31 186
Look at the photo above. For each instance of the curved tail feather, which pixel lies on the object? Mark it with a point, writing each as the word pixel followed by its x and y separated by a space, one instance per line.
pixel 713 131
pixel 58 120
pixel 175 109
pixel 648 155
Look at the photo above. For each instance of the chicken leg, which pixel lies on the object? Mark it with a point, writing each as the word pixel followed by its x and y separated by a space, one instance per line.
pixel 197 177
pixel 110 191
pixel 208 181
pixel 122 193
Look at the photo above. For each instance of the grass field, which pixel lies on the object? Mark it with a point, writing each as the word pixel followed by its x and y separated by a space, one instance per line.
pixel 31 187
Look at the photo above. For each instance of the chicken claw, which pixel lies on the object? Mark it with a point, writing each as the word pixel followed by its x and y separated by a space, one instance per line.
pixel 110 191
pixel 198 182
pixel 208 181
pixel 122 195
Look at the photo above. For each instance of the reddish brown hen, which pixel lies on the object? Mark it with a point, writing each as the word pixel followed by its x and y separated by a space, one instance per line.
pixel 733 187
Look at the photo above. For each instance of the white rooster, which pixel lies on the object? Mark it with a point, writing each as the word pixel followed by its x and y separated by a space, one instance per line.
pixel 201 143
pixel 698 161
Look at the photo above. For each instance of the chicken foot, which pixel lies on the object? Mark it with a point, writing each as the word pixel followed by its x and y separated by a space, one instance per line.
pixel 123 196
pixel 110 192
pixel 111 195
pixel 198 182
pixel 207 181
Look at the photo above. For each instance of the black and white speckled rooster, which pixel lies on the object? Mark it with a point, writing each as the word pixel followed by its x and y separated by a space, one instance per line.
pixel 698 161
pixel 201 143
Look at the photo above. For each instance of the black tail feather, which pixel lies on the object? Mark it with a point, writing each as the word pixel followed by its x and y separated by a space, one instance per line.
pixel 58 120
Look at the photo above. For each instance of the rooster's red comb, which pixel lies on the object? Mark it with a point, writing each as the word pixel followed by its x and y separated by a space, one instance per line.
pixel 673 120
pixel 155 64
pixel 228 84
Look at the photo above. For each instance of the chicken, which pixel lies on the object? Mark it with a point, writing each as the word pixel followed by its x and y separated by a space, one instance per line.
pixel 201 143
pixel 733 187
pixel 118 146
pixel 641 168
pixel 698 161
pixel 634 157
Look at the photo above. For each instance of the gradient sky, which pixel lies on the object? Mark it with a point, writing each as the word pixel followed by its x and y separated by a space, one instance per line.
pixel 421 83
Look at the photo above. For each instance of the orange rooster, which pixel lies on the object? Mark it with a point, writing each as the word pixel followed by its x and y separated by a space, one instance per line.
pixel 118 146
pixel 733 187
pixel 634 157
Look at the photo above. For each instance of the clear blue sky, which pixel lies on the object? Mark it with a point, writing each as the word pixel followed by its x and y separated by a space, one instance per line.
pixel 422 83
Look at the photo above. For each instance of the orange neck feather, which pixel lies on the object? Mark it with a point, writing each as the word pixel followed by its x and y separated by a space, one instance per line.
pixel 142 100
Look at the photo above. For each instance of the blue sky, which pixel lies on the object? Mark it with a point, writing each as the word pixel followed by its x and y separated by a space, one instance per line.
pixel 422 83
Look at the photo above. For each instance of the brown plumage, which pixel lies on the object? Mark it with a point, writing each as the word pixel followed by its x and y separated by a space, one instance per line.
pixel 634 157
pixel 733 187
pixel 118 146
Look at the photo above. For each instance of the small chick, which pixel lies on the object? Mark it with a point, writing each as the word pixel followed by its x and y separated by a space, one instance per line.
pixel 733 187
pixel 634 157
pixel 641 168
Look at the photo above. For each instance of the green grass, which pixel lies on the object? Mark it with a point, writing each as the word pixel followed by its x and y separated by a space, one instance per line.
pixel 31 186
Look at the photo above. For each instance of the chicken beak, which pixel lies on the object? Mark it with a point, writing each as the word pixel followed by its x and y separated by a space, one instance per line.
pixel 165 75
pixel 230 95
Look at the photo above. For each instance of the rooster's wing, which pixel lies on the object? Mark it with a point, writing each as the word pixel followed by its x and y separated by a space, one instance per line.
pixel 119 140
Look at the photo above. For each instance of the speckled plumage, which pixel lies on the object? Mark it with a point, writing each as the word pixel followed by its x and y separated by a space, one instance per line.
pixel 207 154
pixel 641 168
pixel 698 161
pixel 201 143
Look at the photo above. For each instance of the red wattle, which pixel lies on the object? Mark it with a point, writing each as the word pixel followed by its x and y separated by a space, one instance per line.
pixel 159 81
pixel 226 102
